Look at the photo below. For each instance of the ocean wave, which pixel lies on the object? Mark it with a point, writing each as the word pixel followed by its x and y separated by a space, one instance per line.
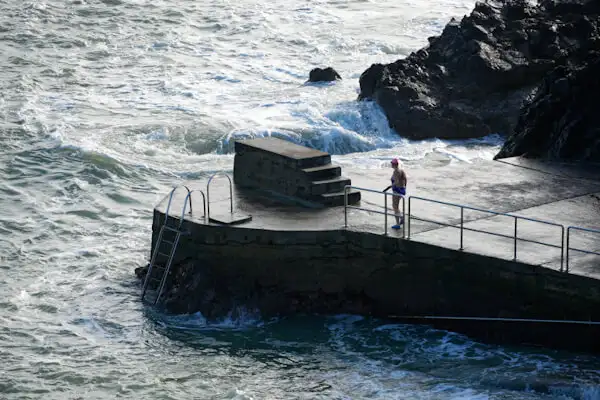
pixel 240 318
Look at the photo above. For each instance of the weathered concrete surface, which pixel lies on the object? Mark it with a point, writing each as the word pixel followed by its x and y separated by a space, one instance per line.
pixel 280 147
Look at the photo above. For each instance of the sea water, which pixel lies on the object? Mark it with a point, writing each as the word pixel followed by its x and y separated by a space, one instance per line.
pixel 106 104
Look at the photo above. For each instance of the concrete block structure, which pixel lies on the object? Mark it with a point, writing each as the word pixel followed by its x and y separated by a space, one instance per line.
pixel 291 170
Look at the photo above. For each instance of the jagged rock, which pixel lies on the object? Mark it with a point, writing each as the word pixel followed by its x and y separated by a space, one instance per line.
pixel 323 75
pixel 141 272
pixel 562 121
pixel 216 290
pixel 473 79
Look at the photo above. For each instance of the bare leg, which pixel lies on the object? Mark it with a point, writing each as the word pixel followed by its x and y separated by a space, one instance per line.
pixel 395 204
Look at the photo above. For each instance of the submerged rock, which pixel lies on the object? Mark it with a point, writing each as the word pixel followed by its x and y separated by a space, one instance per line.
pixel 473 79
pixel 323 75
pixel 562 121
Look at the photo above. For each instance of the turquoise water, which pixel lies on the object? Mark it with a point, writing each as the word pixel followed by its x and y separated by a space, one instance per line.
pixel 104 105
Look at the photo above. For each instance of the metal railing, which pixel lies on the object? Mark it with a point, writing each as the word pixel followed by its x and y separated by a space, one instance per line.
pixel 576 228
pixel 208 192
pixel 385 206
pixel 514 236
pixel 188 198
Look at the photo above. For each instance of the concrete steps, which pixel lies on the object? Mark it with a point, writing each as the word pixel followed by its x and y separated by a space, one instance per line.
pixel 326 171
pixel 337 198
pixel 290 169
pixel 336 184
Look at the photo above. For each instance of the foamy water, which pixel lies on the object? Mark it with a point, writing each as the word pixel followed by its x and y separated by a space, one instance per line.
pixel 104 105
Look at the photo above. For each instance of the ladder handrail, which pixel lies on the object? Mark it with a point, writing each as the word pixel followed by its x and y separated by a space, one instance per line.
pixel 577 228
pixel 208 192
pixel 171 199
pixel 185 202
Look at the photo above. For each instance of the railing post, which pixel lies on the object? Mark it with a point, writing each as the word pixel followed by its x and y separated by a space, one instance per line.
pixel 515 251
pixel 409 214
pixel 204 207
pixel 562 247
pixel 208 199
pixel 230 194
pixel 462 214
pixel 190 195
pixel 568 239
pixel 404 217
pixel 346 207
pixel 385 219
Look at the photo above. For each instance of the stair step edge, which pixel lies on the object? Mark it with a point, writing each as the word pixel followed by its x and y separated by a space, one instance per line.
pixel 333 194
pixel 321 168
pixel 332 180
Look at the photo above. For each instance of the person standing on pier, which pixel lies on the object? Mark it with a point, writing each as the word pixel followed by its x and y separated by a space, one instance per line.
pixel 398 186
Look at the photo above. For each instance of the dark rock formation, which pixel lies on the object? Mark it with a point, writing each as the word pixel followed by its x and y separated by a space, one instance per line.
pixel 323 75
pixel 215 291
pixel 563 120
pixel 473 79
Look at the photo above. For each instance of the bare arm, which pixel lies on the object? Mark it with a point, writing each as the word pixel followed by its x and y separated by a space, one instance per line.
pixel 403 178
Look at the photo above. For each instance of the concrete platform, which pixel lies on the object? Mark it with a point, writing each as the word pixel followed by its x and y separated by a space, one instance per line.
pixel 566 196
pixel 284 148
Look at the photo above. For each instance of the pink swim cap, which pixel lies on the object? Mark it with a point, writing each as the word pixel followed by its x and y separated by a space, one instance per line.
pixel 394 161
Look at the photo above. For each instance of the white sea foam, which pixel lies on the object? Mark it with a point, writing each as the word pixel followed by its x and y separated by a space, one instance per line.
pixel 104 105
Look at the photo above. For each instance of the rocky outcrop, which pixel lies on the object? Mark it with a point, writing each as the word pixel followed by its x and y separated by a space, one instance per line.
pixel 473 79
pixel 216 291
pixel 563 120
pixel 323 75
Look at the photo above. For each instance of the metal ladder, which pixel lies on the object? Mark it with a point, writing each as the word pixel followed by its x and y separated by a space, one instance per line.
pixel 172 245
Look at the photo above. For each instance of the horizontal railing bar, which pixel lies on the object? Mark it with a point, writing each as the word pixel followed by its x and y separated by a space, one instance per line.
pixel 583 229
pixel 369 210
pixel 385 213
pixel 463 228
pixel 489 233
pixel 374 191
pixel 584 251
pixel 553 321
pixel 487 211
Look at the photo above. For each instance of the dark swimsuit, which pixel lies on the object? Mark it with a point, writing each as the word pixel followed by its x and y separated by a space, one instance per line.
pixel 397 189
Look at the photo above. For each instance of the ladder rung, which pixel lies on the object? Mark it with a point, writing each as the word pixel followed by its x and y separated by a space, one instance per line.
pixel 163 254
pixel 169 228
pixel 168 242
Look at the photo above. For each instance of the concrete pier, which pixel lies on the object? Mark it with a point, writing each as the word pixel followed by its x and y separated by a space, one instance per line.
pixel 289 259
